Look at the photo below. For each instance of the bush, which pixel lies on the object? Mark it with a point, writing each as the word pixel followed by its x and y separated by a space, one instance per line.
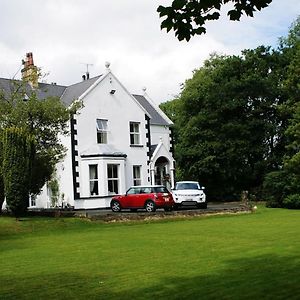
pixel 276 187
pixel 17 154
pixel 292 201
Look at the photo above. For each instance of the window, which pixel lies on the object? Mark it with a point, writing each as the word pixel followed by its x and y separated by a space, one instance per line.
pixel 101 131
pixel 134 133
pixel 113 179
pixel 94 191
pixel 133 191
pixel 137 175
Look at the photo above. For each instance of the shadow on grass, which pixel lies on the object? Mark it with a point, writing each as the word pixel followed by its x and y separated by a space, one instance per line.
pixel 265 277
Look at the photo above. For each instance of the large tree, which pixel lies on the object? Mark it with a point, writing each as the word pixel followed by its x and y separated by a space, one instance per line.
pixel 229 130
pixel 282 187
pixel 44 119
pixel 188 17
pixel 2 194
pixel 237 120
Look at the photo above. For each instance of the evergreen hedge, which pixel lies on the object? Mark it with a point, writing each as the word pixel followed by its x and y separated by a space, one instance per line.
pixel 2 195
pixel 17 156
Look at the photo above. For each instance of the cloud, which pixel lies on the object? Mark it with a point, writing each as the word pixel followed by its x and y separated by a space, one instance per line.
pixel 66 35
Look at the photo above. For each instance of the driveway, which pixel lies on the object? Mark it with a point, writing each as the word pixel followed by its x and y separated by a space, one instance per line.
pixel 107 214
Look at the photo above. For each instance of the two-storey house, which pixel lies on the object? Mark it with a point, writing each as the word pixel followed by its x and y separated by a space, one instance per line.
pixel 116 141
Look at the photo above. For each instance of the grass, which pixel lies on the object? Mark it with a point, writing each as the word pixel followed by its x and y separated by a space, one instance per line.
pixel 250 256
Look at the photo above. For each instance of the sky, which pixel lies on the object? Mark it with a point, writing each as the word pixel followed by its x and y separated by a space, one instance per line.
pixel 66 35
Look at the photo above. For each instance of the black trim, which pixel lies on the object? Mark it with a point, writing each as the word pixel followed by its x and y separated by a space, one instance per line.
pixel 172 142
pixel 137 146
pixel 74 162
pixel 104 155
pixel 148 136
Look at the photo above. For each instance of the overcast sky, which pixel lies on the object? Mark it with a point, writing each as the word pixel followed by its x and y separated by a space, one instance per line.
pixel 64 35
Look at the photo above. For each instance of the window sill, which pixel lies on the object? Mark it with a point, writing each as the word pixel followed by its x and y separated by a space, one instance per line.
pixel 138 146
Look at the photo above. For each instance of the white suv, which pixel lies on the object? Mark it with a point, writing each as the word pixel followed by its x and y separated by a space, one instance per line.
pixel 187 193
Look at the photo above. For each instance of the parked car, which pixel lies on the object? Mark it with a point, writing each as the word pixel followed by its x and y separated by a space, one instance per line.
pixel 144 197
pixel 189 193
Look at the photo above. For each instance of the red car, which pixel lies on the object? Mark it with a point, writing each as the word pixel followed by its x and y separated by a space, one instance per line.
pixel 145 197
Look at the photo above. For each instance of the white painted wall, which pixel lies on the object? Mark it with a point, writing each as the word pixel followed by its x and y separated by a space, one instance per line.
pixel 119 109
pixel 65 177
pixel 64 172
pixel 158 132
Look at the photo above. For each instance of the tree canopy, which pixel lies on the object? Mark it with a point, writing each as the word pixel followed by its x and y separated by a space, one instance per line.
pixel 237 119
pixel 43 119
pixel 188 17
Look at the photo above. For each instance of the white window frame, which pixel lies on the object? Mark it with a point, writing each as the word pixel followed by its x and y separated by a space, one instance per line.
pixel 137 171
pixel 94 181
pixel 102 125
pixel 115 180
pixel 135 137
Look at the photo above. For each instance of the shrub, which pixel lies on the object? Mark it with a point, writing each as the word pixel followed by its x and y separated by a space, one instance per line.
pixel 2 196
pixel 292 201
pixel 17 153
pixel 277 186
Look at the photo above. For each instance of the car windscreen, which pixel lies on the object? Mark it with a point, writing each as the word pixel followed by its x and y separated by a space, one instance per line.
pixel 187 186
pixel 160 189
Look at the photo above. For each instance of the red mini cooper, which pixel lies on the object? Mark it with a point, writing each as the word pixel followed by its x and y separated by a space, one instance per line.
pixel 144 197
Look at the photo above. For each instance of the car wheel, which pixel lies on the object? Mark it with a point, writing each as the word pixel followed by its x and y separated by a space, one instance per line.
pixel 150 206
pixel 115 206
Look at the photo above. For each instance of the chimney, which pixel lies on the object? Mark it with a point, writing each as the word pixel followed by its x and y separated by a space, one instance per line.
pixel 30 71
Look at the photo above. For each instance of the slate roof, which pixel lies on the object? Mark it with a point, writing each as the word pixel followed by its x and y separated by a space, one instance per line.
pixel 102 150
pixel 44 90
pixel 68 94
pixel 156 118
pixel 74 91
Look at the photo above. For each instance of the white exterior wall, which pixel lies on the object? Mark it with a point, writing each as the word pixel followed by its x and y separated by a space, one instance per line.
pixel 119 109
pixel 64 176
pixel 160 132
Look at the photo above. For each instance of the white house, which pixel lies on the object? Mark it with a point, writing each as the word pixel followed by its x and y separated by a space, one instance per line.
pixel 118 140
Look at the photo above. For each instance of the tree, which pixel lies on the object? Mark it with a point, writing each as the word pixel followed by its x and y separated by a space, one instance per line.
pixel 187 18
pixel 229 128
pixel 2 193
pixel 44 119
pixel 18 151
pixel 288 175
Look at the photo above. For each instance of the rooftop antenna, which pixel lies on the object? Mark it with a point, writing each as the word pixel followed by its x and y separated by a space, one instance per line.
pixel 87 73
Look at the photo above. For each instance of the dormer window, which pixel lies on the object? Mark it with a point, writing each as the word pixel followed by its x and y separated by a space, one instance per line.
pixel 101 131
pixel 134 133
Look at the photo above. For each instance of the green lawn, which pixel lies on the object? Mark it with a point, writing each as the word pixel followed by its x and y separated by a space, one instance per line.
pixel 248 256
